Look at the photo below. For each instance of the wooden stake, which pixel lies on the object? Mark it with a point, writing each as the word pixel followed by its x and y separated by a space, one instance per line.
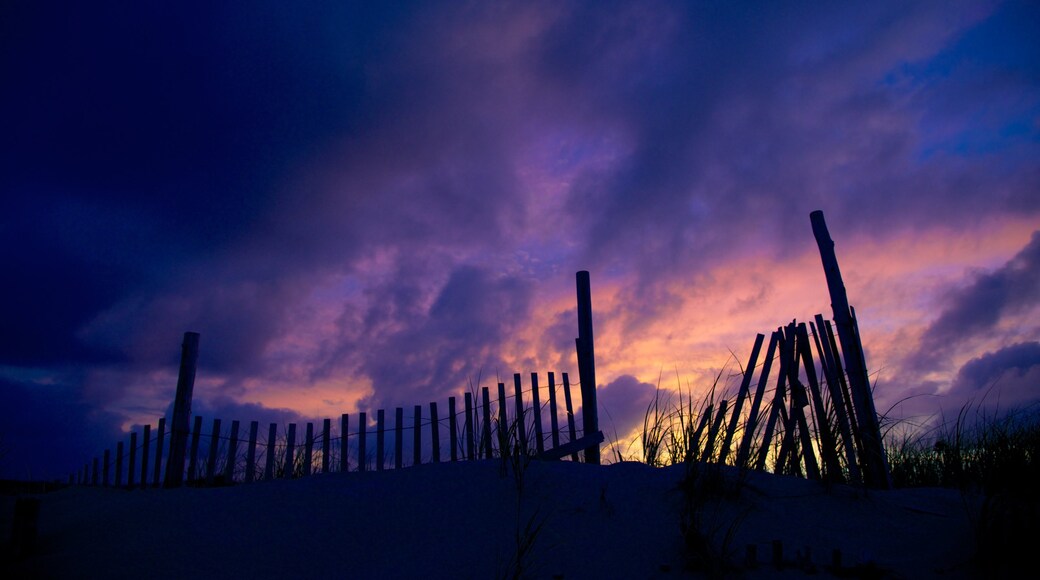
pixel 308 449
pixel 289 467
pixel 326 444
pixel 132 467
pixel 570 412
pixel 536 407
pixel 159 436
pixel 587 364
pixel 417 435
pixel 828 447
pixel 254 428
pixel 752 420
pixel 398 437
pixel 435 436
pixel 467 427
pixel 873 455
pixel 453 425
pixel 232 454
pixel 741 395
pixel 182 409
pixel 554 421
pixel 503 439
pixel 272 438
pixel 344 443
pixel 362 453
pixel 487 423
pixel 520 419
pixel 380 440
pixel 211 459
pixel 144 455
pixel 193 462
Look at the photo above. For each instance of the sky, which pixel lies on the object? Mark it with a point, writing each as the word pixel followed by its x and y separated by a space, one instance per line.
pixel 369 205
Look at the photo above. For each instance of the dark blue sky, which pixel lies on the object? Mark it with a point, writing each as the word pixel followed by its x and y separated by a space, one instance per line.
pixel 363 206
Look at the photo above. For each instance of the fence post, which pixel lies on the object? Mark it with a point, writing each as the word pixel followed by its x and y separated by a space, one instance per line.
pixel 159 440
pixel 182 409
pixel 132 465
pixel 745 383
pixel 308 449
pixel 453 425
pixel 254 426
pixel 290 448
pixel 487 422
pixel 417 435
pixel 873 457
pixel 554 421
pixel 837 401
pixel 119 464
pixel 713 431
pixel 272 437
pixel 587 365
pixel 193 461
pixel 467 426
pixel 362 442
pixel 752 420
pixel 435 433
pixel 380 440
pixel 144 455
pixel 214 449
pixel 344 447
pixel 536 406
pixel 326 431
pixel 521 429
pixel 828 445
pixel 398 437
pixel 570 412
pixel 232 454
pixel 503 439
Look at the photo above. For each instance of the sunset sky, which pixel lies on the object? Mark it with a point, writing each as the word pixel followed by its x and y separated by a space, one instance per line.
pixel 365 207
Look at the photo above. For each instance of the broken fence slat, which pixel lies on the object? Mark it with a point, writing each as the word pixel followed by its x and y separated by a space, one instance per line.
pixel 572 447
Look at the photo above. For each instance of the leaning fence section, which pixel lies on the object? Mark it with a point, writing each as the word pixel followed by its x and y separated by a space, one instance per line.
pixel 537 419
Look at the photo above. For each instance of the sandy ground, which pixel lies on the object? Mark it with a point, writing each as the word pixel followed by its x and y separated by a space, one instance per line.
pixel 475 520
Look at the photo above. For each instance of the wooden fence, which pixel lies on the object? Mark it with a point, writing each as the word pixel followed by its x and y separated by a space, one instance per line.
pixel 481 427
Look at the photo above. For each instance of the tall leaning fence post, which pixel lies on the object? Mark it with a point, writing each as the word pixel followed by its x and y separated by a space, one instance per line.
pixel 875 463
pixel 587 365
pixel 182 409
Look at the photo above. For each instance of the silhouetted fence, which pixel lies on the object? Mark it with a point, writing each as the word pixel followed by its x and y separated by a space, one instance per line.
pixel 480 427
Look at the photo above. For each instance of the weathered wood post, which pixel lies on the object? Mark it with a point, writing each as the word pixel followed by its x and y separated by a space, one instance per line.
pixel 571 430
pixel 467 427
pixel 119 464
pixel 362 446
pixel 290 449
pixel 398 437
pixel 521 430
pixel 536 407
pixel 159 440
pixel 232 454
pixel 308 449
pixel 554 421
pixel 344 430
pixel 752 420
pixel 587 364
pixel 435 436
pixel 503 438
pixel 326 432
pixel 214 449
pixel 254 427
pixel 837 402
pixel 144 455
pixel 486 436
pixel 193 461
pixel 272 434
pixel 132 467
pixel 182 409
pixel 453 426
pixel 874 459
pixel 745 384
pixel 417 435
pixel 380 439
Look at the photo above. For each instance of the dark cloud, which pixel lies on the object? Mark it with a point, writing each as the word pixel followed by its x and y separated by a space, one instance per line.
pixel 624 403
pixel 972 312
pixel 1009 377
